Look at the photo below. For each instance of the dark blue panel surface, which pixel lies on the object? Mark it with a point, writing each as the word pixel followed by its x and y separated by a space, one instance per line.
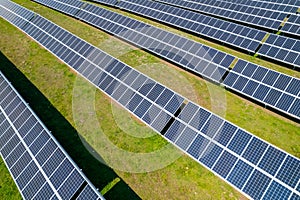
pixel 257 184
pixel 277 191
pixel 239 141
pixel 240 174
pixel 210 155
pixel 272 160
pixel 289 173
pixel 225 163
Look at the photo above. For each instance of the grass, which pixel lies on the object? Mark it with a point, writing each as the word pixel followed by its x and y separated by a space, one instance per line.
pixel 8 189
pixel 123 141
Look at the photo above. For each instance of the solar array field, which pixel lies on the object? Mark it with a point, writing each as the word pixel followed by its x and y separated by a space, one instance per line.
pixel 256 168
pixel 261 84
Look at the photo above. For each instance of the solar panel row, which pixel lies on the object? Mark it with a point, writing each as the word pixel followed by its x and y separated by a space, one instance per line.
pixel 186 53
pixel 233 34
pixel 292 26
pixel 284 2
pixel 270 87
pixel 282 49
pixel 269 19
pixel 37 163
pixel 286 6
pixel 253 166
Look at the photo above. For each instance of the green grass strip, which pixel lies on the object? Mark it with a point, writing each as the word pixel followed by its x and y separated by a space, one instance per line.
pixel 110 185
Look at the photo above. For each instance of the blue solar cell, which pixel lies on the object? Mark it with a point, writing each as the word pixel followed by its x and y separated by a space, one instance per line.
pixel 281 54
pixel 186 138
pixel 126 97
pixel 175 130
pixel 34 185
pixel 40 141
pixel 224 164
pixel 71 185
pixel 264 49
pixel 61 173
pixel 161 121
pixel 255 150
pixel 198 146
pixel 270 77
pixel 285 102
pixel 291 57
pixel 131 77
pixel 45 192
pixel 53 162
pixel 227 61
pixel 142 108
pixel 250 87
pixel 240 83
pixel 23 179
pixel 134 102
pixel 294 87
pixel 259 74
pixel 240 173
pixel 282 81
pixel 230 79
pixel 225 133
pixel 119 91
pixel 295 108
pixel 87 193
pixel 210 155
pixel 257 185
pixel 144 90
pixel 249 69
pixel 289 172
pixel 272 160
pixel 295 197
pixel 261 92
pixel 15 155
pixel 218 74
pixel 277 191
pixel 151 114
pixel 7 135
pixel 273 97
pixel 239 141
pixel 188 112
pixel 155 92
pixel 174 104
pixel 212 125
pixel 9 145
pixel 20 165
pixel 208 71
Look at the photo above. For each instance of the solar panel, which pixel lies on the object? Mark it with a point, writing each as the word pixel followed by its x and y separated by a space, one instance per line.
pixel 286 6
pixel 274 89
pixel 196 57
pixel 292 26
pixel 268 15
pixel 226 32
pixel 26 159
pixel 213 152
pixel 282 49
